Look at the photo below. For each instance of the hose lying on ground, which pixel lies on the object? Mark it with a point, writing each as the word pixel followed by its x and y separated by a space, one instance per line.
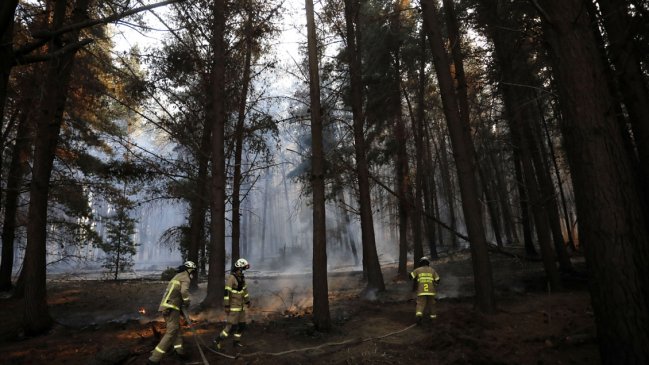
pixel 259 353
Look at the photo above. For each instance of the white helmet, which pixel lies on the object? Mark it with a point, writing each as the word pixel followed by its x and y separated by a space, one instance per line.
pixel 189 265
pixel 242 264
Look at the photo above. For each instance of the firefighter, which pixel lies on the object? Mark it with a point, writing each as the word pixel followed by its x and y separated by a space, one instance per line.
pixel 235 302
pixel 425 280
pixel 175 297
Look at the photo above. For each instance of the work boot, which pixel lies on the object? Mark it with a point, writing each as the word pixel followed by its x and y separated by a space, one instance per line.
pixel 182 355
pixel 149 362
pixel 217 344
pixel 418 320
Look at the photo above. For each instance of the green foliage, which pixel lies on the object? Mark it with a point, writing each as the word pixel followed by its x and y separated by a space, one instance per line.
pixel 118 244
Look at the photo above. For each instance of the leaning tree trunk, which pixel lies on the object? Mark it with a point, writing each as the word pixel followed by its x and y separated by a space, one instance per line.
pixel 612 220
pixel 216 275
pixel 463 150
pixel 371 264
pixel 321 316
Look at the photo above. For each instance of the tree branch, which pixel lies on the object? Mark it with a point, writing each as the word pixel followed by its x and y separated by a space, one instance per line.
pixel 23 60
pixel 44 36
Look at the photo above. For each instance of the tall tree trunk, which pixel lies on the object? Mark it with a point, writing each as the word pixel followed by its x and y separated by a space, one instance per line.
pixel 19 163
pixel 346 231
pixel 239 133
pixel 449 191
pixel 555 166
pixel 371 265
pixel 463 151
pixel 401 157
pixel 548 194
pixel 503 198
pixel 199 202
pixel 628 71
pixel 264 216
pixel 528 242
pixel 520 102
pixel 7 12
pixel 612 220
pixel 216 275
pixel 321 316
pixel 49 117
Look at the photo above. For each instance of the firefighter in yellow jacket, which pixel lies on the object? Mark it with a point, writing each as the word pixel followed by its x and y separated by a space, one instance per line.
pixel 425 280
pixel 235 301
pixel 175 297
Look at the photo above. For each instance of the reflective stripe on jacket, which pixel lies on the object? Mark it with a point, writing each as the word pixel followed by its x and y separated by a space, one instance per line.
pixel 236 293
pixel 426 278
pixel 177 292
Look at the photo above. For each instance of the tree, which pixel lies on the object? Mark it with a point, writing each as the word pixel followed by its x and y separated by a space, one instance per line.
pixel 371 263
pixel 118 245
pixel 217 116
pixel 612 216
pixel 321 316
pixel 464 159
pixel 49 117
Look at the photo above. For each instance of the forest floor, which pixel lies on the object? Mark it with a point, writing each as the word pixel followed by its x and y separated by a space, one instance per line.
pixel 101 322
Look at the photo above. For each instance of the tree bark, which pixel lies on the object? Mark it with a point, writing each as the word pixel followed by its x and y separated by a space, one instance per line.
pixel 216 275
pixel 321 316
pixel 628 72
pixel 464 159
pixel 371 265
pixel 199 202
pixel 239 133
pixel 19 164
pixel 49 117
pixel 612 220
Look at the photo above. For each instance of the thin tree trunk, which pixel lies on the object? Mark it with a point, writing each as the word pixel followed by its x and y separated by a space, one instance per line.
pixel 562 194
pixel 401 157
pixel 239 133
pixel 321 316
pixel 19 163
pixel 463 151
pixel 216 275
pixel 199 203
pixel 371 265
pixel 612 220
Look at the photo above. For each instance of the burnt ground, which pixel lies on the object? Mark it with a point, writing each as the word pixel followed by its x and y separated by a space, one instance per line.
pixel 98 322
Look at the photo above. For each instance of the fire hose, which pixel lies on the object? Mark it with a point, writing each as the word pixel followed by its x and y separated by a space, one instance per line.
pixel 282 353
pixel 191 326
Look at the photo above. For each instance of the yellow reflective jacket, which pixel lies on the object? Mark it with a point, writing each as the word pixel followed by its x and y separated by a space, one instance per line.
pixel 236 292
pixel 426 278
pixel 177 293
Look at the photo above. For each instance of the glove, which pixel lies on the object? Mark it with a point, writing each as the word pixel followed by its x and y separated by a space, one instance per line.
pixel 227 309
pixel 187 304
pixel 248 304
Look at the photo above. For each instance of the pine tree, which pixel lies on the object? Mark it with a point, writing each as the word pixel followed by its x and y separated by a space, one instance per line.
pixel 118 243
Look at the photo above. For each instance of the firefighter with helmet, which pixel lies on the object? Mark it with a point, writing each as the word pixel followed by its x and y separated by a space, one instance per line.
pixel 175 297
pixel 235 301
pixel 425 280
